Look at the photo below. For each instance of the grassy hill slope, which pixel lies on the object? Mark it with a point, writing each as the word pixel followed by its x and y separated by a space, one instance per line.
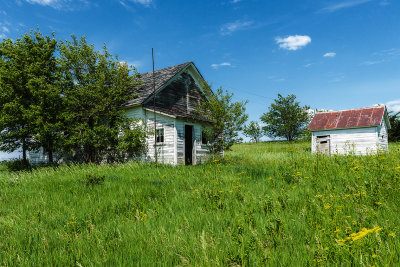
pixel 266 204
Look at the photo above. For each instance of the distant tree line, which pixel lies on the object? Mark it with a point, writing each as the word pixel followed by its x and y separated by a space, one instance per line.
pixel 67 98
pixel 394 131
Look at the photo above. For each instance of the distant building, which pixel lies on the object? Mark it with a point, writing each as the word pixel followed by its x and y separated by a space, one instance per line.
pixel 355 131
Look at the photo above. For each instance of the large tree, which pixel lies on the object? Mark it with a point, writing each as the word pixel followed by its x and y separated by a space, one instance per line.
pixel 254 131
pixel 19 63
pixel 285 118
pixel 394 131
pixel 225 116
pixel 95 89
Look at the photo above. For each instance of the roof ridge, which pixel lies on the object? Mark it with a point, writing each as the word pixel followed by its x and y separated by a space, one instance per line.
pixel 185 63
pixel 339 111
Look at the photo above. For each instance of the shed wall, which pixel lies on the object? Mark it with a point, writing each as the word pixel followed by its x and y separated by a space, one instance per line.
pixel 360 141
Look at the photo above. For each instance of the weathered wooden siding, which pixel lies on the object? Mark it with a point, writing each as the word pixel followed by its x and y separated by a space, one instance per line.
pixel 182 94
pixel 165 151
pixel 200 152
pixel 135 112
pixel 39 157
pixel 383 136
pixel 360 141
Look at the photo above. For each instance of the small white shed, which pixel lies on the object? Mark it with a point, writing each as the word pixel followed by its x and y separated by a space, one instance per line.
pixel 356 131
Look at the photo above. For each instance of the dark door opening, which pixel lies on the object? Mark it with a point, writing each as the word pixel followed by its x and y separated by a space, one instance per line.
pixel 188 144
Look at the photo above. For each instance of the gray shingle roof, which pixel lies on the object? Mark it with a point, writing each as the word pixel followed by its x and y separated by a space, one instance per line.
pixel 161 77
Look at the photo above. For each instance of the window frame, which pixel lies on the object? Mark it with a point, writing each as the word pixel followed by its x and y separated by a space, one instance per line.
pixel 160 136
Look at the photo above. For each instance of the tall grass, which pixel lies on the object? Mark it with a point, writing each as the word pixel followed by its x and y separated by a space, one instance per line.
pixel 266 204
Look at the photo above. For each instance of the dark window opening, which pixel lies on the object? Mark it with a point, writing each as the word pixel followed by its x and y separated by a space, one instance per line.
pixel 204 139
pixel 160 135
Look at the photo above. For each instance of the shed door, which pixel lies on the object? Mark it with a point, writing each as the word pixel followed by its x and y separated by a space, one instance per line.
pixel 324 144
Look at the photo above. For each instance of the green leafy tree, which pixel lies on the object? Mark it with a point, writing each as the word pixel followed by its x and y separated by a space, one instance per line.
pixel 285 118
pixel 225 117
pixel 44 85
pixel 254 131
pixel 394 131
pixel 95 89
pixel 20 60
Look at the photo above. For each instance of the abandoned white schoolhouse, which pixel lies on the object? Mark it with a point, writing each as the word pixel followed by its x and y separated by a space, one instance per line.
pixel 179 133
pixel 356 131
pixel 180 137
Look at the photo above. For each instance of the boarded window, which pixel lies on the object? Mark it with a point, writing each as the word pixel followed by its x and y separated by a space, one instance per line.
pixel 160 135
pixel 323 144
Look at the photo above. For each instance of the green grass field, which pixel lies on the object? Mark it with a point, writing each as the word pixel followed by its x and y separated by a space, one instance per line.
pixel 266 204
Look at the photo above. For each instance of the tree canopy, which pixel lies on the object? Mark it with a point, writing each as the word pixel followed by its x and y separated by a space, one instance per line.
pixel 225 116
pixel 285 118
pixel 66 97
pixel 394 131
pixel 253 130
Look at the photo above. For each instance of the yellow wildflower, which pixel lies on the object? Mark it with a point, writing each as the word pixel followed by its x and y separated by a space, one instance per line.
pixel 221 191
pixel 337 230
pixel 374 256
pixel 378 203
pixel 196 190
pixel 318 196
pixel 269 178
pixel 327 206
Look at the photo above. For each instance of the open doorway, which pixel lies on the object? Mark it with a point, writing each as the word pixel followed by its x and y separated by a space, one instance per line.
pixel 188 144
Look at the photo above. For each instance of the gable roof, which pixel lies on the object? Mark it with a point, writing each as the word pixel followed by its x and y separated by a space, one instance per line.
pixel 352 118
pixel 161 77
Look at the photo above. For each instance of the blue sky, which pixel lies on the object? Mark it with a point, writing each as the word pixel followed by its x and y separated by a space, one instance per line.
pixel 331 54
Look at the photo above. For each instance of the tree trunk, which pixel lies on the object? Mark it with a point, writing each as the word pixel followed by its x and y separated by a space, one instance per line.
pixel 50 153
pixel 24 152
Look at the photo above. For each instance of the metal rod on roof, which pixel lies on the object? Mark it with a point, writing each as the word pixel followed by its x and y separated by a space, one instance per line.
pixel 154 111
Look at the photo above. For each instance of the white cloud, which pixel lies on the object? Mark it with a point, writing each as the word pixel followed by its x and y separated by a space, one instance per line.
pixel 235 1
pixel 307 65
pixel 393 105
pixel 330 54
pixel 342 5
pixel 293 42
pixel 231 27
pixel 223 64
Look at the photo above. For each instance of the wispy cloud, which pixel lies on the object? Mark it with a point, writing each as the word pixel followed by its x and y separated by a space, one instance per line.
pixel 342 5
pixel 384 3
pixel 235 1
pixel 50 3
pixel 60 4
pixel 276 79
pixel 231 27
pixel 382 56
pixel 308 65
pixel 369 63
pixel 223 64
pixel 145 3
pixel 3 30
pixel 394 105
pixel 293 42
pixel 330 54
